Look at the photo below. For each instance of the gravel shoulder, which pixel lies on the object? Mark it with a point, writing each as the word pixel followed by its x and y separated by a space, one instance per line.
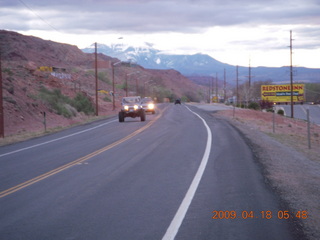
pixel 288 165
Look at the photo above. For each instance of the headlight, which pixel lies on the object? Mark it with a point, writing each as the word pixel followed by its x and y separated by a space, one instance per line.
pixel 135 107
pixel 151 106
pixel 126 108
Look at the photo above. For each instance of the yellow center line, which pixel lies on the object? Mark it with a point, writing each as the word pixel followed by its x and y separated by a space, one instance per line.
pixel 75 162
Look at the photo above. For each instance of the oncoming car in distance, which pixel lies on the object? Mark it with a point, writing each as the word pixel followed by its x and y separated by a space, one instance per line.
pixel 177 101
pixel 130 107
pixel 148 105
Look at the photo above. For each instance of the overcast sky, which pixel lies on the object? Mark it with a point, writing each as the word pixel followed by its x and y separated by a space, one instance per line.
pixel 231 31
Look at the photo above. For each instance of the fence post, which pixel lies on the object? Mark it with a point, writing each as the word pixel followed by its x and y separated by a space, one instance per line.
pixel 309 137
pixel 273 119
pixel 44 121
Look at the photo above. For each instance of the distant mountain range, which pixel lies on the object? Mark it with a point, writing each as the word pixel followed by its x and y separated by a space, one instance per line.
pixel 199 65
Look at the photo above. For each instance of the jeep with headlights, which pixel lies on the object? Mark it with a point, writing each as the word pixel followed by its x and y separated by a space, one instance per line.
pixel 131 107
pixel 148 105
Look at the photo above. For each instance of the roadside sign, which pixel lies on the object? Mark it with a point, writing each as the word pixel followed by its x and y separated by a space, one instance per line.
pixel 282 93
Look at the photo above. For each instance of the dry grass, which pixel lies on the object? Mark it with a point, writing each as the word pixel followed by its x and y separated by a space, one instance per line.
pixel 291 132
pixel 290 167
pixel 25 135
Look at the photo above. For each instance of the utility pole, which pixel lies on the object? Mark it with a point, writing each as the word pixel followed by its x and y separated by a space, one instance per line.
pixel 137 86
pixel 96 73
pixel 217 88
pixel 212 89
pixel 249 73
pixel 224 85
pixel 291 74
pixel 113 86
pixel 113 98
pixel 248 92
pixel 208 90
pixel 1 103
pixel 128 74
pixel 237 79
pixel 127 85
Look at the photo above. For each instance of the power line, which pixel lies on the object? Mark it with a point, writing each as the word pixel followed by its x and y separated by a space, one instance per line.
pixel 291 75
pixel 38 16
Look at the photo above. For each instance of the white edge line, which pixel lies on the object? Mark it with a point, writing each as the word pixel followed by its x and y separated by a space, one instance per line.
pixel 180 214
pixel 54 140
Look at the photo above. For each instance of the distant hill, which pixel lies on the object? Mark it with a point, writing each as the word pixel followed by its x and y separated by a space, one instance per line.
pixel 44 76
pixel 199 65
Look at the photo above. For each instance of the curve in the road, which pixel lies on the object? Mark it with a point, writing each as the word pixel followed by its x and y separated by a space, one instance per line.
pixel 178 218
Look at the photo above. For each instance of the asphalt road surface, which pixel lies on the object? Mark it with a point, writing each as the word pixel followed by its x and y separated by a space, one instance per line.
pixel 300 112
pixel 181 174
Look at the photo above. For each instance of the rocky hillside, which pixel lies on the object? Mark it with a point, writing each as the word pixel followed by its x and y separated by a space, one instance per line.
pixel 59 80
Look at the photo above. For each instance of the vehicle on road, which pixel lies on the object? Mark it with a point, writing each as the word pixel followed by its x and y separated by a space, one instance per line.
pixel 148 105
pixel 131 107
pixel 177 101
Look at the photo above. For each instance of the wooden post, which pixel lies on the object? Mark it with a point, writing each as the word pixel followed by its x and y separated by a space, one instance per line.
pixel 1 104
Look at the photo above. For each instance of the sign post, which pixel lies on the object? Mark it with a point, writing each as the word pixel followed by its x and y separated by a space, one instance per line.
pixel 1 104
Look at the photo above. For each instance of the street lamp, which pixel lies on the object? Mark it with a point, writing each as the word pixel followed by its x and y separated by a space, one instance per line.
pixel 113 91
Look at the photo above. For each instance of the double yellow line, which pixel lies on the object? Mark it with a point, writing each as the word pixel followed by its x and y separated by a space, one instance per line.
pixel 75 162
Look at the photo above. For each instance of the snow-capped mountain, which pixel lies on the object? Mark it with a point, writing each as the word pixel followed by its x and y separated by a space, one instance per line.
pixel 198 64
pixel 143 55
pixel 149 57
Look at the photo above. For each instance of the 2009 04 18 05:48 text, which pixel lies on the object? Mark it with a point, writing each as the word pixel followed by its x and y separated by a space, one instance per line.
pixel 262 214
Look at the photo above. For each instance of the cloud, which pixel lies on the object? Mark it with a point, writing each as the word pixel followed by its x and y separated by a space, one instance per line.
pixel 149 16
pixel 224 26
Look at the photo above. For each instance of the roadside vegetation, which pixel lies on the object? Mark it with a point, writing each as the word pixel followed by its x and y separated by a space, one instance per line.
pixel 63 105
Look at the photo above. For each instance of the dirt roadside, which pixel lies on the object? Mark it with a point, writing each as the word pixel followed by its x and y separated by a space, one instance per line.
pixel 289 166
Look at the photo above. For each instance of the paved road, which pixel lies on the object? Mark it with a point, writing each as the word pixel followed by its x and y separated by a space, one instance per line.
pixel 165 178
pixel 300 112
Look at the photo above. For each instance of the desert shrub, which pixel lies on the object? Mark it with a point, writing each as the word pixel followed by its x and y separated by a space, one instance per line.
pixel 240 105
pixel 161 92
pixel 63 105
pixel 56 100
pixel 280 112
pixel 254 105
pixel 8 71
pixel 89 73
pixel 10 100
pixel 184 99
pixel 107 99
pixel 10 89
pixel 121 86
pixel 265 104
pixel 191 97
pixel 103 77
pixel 82 104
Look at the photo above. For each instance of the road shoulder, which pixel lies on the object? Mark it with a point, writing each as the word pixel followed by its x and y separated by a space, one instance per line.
pixel 292 175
